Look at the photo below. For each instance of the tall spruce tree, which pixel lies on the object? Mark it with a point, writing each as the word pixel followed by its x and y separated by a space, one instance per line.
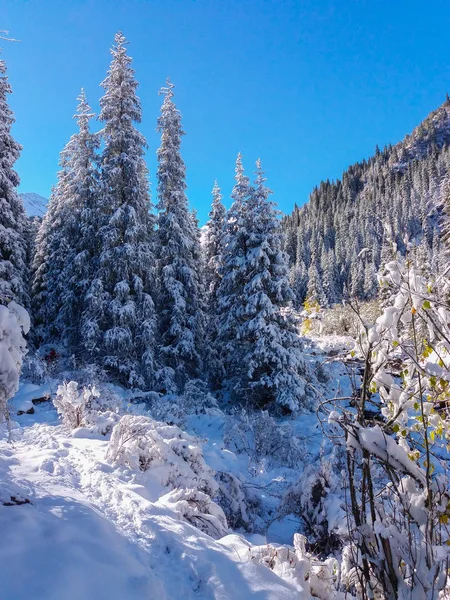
pixel 76 227
pixel 60 265
pixel 13 221
pixel 267 366
pixel 213 245
pixel 213 250
pixel 180 302
pixel 48 261
pixel 232 277
pixel 119 319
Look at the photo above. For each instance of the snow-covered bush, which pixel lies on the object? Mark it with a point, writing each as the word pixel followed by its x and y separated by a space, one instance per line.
pixel 316 499
pixel 14 324
pixel 174 457
pixel 315 578
pixel 258 435
pixel 241 504
pixel 398 523
pixel 341 319
pixel 95 407
pixel 34 369
pixel 72 403
pixel 196 399
pixel 197 508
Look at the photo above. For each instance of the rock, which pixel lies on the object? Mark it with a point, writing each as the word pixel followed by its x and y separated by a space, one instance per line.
pixel 30 411
pixel 36 401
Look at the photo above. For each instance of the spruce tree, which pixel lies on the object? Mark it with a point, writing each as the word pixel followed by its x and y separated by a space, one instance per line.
pixel 60 267
pixel 264 363
pixel 275 369
pixel 232 276
pixel 77 210
pixel 180 302
pixel 213 250
pixel 119 319
pixel 213 245
pixel 314 289
pixel 48 261
pixel 13 221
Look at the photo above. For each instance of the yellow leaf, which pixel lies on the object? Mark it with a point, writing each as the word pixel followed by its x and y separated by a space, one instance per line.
pixel 413 310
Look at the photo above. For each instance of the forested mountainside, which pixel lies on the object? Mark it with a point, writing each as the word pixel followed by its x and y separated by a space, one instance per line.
pixel 337 241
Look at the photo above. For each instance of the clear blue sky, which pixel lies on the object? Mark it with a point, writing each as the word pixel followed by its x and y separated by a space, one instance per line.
pixel 310 86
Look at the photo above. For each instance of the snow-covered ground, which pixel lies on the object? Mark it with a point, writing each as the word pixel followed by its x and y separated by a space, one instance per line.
pixel 74 526
pixel 88 533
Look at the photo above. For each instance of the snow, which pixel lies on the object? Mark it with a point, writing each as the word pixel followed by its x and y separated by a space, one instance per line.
pixel 34 204
pixel 91 532
pixel 98 526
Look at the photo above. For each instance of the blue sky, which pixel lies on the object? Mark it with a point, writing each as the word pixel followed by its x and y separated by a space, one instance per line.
pixel 310 86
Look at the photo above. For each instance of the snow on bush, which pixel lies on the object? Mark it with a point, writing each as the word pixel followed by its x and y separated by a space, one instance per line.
pixel 315 578
pixel 34 369
pixel 195 400
pixel 14 324
pixel 198 509
pixel 71 403
pixel 174 457
pixel 258 435
pixel 241 504
pixel 96 408
pixel 398 524
pixel 317 500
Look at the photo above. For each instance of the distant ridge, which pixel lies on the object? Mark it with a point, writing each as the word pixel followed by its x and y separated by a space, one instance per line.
pixel 34 204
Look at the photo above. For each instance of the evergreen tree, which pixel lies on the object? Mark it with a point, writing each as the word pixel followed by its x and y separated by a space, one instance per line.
pixel 330 279
pixel 213 245
pixel 314 290
pixel 13 221
pixel 232 274
pixel 48 261
pixel 119 319
pixel 370 280
pixel 264 366
pixel 180 302
pixel 77 250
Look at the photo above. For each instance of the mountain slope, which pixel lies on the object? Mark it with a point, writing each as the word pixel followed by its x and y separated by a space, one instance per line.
pixel 338 240
pixel 34 204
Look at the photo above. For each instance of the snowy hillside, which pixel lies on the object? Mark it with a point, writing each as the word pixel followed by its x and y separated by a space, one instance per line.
pixel 34 204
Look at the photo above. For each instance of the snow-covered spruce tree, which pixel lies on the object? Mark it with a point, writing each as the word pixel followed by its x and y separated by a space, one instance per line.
pixel 232 279
pixel 77 227
pixel 13 221
pixel 48 261
pixel 213 249
pixel 57 266
pixel 119 318
pixel 180 299
pixel 265 364
pixel 213 245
